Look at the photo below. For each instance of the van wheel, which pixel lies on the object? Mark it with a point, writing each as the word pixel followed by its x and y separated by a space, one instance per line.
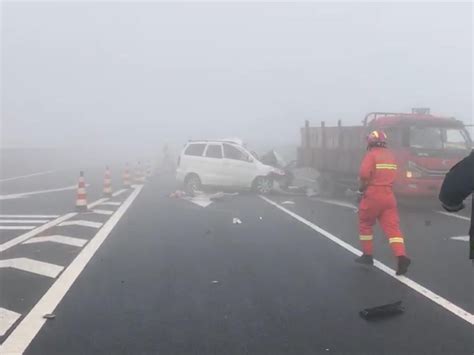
pixel 192 183
pixel 263 185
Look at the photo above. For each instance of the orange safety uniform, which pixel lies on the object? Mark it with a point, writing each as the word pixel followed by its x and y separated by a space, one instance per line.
pixel 379 170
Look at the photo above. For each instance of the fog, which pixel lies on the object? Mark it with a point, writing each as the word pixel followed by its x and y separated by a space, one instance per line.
pixel 136 75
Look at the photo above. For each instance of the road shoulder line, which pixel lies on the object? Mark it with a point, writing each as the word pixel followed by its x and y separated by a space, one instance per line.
pixel 451 307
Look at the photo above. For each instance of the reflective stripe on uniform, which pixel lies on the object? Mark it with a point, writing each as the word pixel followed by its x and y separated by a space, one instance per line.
pixel 396 240
pixel 386 166
pixel 366 237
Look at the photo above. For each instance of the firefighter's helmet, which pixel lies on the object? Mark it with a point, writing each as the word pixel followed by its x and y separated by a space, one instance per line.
pixel 377 139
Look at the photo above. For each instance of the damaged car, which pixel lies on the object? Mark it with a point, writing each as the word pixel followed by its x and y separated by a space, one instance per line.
pixel 224 163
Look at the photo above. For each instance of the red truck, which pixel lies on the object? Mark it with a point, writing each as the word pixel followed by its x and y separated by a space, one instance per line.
pixel 426 147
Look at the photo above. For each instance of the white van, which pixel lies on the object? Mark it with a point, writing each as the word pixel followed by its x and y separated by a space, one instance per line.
pixel 225 164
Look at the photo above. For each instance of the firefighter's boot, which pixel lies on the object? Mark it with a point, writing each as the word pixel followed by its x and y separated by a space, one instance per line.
pixel 365 260
pixel 403 263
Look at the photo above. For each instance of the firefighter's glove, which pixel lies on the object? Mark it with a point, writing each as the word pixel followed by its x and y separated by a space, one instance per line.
pixel 360 196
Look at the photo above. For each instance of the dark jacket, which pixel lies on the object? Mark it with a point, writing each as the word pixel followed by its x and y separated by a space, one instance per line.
pixel 457 186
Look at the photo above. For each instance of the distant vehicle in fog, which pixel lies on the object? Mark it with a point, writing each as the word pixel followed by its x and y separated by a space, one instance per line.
pixel 425 146
pixel 223 163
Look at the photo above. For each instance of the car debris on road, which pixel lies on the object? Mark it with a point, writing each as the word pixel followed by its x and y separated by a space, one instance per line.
pixel 236 221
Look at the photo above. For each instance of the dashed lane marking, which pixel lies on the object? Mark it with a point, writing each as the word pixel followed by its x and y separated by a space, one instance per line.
pixel 29 175
pixel 456 310
pixel 25 332
pixel 7 319
pixel 33 266
pixel 62 239
pixel 16 228
pixel 119 192
pixel 25 221
pixel 454 215
pixel 81 222
pixel 463 238
pixel 26 194
pixel 111 203
pixel 29 216
pixel 104 212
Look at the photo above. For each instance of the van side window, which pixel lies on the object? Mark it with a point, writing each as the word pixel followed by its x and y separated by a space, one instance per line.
pixel 231 152
pixel 214 151
pixel 195 149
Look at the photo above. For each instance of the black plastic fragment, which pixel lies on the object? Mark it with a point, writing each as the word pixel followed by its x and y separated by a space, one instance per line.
pixel 381 312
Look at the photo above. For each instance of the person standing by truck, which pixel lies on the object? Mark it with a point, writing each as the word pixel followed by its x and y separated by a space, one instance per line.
pixel 457 186
pixel 377 174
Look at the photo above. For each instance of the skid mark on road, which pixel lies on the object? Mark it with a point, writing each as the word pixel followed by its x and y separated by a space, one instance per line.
pixel 451 307
pixel 24 333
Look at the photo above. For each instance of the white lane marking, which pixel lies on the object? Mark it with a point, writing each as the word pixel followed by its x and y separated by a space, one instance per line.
pixel 111 203
pixel 202 201
pixel 104 212
pixel 337 203
pixel 119 192
pixel 29 215
pixel 25 332
pixel 62 239
pixel 287 202
pixel 26 194
pixel 455 215
pixel 7 319
pixel 98 202
pixel 27 176
pixel 32 233
pixel 23 237
pixel 33 266
pixel 23 221
pixel 81 222
pixel 17 227
pixel 464 238
pixel 458 311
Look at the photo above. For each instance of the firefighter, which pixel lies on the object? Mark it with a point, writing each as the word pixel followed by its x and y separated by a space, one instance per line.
pixel 457 186
pixel 377 201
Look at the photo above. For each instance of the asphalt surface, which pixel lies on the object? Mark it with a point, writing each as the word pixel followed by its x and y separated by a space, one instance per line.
pixel 172 277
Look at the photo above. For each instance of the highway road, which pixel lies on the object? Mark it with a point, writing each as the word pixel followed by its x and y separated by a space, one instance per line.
pixel 143 273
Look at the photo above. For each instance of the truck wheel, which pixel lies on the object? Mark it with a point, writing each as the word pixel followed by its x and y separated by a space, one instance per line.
pixel 263 185
pixel 192 183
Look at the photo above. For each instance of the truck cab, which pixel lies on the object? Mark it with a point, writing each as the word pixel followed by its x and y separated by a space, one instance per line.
pixel 425 146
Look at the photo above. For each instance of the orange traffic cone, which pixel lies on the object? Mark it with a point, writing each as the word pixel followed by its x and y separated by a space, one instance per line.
pixel 126 178
pixel 107 183
pixel 139 177
pixel 81 197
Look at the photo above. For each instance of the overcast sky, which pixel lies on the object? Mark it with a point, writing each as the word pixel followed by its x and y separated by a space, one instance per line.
pixel 148 72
